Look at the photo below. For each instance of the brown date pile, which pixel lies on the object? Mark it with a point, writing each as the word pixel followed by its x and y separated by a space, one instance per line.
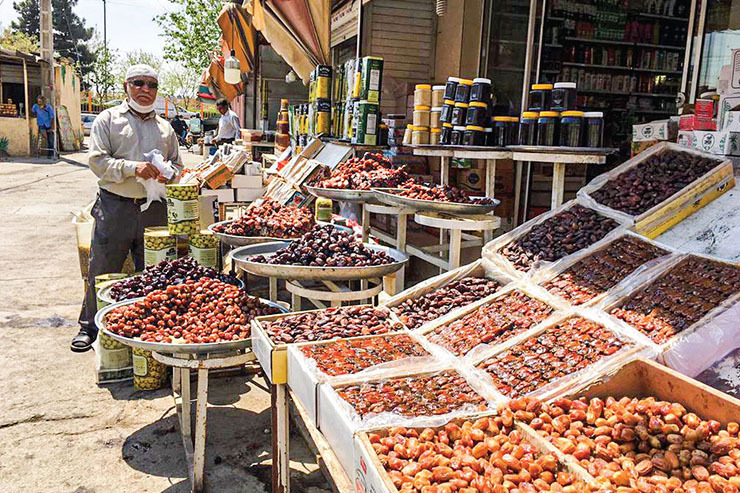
pixel 640 445
pixel 680 297
pixel 560 350
pixel 195 312
pixel 648 184
pixel 417 311
pixel 492 323
pixel 326 246
pixel 165 273
pixel 270 219
pixel 558 236
pixel 428 395
pixel 352 356
pixel 602 270
pixel 439 193
pixel 322 325
pixel 484 455
pixel 371 171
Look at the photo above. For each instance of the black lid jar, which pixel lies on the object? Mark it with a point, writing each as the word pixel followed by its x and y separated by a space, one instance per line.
pixel 446 115
pixel 477 114
pixel 481 90
pixel 571 128
pixel 540 96
pixel 563 96
pixel 593 134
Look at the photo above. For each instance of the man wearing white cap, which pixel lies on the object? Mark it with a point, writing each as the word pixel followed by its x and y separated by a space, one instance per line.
pixel 118 140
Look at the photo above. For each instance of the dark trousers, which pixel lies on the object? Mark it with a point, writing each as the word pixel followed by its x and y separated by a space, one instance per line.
pixel 49 134
pixel 119 229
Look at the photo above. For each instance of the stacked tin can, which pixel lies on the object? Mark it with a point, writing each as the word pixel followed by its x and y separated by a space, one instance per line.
pixel 366 94
pixel 320 99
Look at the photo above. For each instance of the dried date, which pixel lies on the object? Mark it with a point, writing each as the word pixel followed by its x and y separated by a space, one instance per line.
pixel 469 456
pixel 439 193
pixel 558 236
pixel 492 323
pixel 680 297
pixel 604 269
pixel 270 219
pixel 354 355
pixel 370 171
pixel 558 351
pixel 644 444
pixel 417 311
pixel 436 394
pixel 651 182
pixel 322 325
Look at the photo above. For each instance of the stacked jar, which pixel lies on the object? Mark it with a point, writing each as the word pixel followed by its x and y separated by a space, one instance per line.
pixel 435 122
pixel 159 245
pixel 183 211
pixel 203 247
pixel 422 114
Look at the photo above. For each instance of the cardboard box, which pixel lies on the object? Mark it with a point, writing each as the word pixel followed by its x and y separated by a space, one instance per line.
pixel 472 180
pixel 721 143
pixel 727 103
pixel 222 194
pixel 686 138
pixel 244 181
pixel 217 175
pixel 732 121
pixel 735 71
pixel 249 194
pixel 657 130
pixel 686 122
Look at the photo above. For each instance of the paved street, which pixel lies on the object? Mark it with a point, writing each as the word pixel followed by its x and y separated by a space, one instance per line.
pixel 59 431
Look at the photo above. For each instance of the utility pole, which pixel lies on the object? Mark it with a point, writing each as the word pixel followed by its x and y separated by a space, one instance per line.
pixel 105 29
pixel 47 51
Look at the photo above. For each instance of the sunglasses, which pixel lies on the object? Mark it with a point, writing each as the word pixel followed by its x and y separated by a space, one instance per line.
pixel 142 83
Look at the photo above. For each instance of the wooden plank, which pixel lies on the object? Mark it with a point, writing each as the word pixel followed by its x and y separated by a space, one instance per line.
pixel 402 51
pixel 201 416
pixel 388 30
pixel 558 185
pixel 551 157
pixel 405 41
pixel 390 19
pixel 409 5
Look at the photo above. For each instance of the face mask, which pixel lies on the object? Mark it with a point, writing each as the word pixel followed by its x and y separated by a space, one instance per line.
pixel 138 107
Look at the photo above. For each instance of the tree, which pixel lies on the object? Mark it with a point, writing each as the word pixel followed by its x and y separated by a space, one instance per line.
pixel 19 40
pixel 70 33
pixel 192 32
pixel 101 76
pixel 136 57
pixel 178 81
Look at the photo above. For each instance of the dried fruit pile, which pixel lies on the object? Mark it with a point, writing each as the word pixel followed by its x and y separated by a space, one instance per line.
pixel 560 350
pixel 562 234
pixel 429 395
pixel 164 274
pixel 679 298
pixel 644 445
pixel 485 455
pixel 602 270
pixel 439 193
pixel 417 311
pixel 197 312
pixel 354 355
pixel 322 325
pixel 649 183
pixel 326 246
pixel 270 219
pixel 371 171
pixel 492 323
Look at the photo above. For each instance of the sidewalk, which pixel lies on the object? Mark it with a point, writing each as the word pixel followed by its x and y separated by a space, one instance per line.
pixel 61 432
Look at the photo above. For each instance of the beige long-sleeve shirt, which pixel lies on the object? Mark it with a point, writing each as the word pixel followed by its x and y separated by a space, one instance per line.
pixel 118 140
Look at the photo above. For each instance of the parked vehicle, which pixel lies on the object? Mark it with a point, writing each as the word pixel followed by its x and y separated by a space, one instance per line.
pixel 87 121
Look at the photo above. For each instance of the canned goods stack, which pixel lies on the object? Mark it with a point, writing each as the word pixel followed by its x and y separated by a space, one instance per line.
pixel 149 374
pixel 112 359
pixel 320 99
pixel 365 102
pixel 159 244
pixel 282 135
pixel 203 247
pixel 183 212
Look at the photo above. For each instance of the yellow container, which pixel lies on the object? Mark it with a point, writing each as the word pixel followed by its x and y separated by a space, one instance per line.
pixel 438 95
pixel 422 116
pixel 203 247
pixel 159 245
pixel 149 374
pixel 324 209
pixel 183 211
pixel 434 135
pixel 423 95
pixel 420 135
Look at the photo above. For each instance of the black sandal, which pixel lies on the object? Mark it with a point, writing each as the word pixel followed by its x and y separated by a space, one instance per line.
pixel 82 342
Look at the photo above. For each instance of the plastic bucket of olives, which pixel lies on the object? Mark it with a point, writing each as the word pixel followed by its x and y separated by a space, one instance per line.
pixel 159 245
pixel 183 212
pixel 203 247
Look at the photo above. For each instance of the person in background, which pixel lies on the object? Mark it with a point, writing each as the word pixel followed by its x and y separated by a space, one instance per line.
pixel 179 126
pixel 118 140
pixel 44 114
pixel 228 124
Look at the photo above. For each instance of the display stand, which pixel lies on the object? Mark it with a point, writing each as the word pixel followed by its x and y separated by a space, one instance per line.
pixel 194 438
pixel 336 292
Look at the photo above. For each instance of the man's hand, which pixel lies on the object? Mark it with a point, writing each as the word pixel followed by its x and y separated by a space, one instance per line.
pixel 146 171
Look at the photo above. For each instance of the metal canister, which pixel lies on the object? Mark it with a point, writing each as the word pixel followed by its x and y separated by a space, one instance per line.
pixel 323 116
pixel 159 245
pixel 149 374
pixel 183 212
pixel 203 247
pixel 323 82
pixel 365 126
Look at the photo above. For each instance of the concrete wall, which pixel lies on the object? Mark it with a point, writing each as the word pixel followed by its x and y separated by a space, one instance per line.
pixel 458 40
pixel 67 86
pixel 16 131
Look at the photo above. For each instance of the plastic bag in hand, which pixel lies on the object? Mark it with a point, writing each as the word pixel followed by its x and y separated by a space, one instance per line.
pixel 155 190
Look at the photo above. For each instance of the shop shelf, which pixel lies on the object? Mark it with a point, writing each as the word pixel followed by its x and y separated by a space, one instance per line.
pixel 592 65
pixel 603 41
pixel 663 17
pixel 656 71
pixel 660 47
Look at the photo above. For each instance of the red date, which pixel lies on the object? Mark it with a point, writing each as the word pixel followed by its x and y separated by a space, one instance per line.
pixel 272 219
pixel 370 171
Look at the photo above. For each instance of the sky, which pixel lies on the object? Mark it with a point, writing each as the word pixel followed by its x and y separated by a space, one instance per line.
pixel 130 22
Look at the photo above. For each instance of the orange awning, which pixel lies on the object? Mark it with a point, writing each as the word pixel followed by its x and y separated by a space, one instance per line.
pixel 238 34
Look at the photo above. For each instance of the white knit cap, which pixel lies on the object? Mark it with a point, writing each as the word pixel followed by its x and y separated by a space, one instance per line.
pixel 141 70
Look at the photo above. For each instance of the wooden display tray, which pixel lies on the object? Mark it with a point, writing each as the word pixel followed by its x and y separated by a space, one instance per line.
pixel 273 358
pixel 639 378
